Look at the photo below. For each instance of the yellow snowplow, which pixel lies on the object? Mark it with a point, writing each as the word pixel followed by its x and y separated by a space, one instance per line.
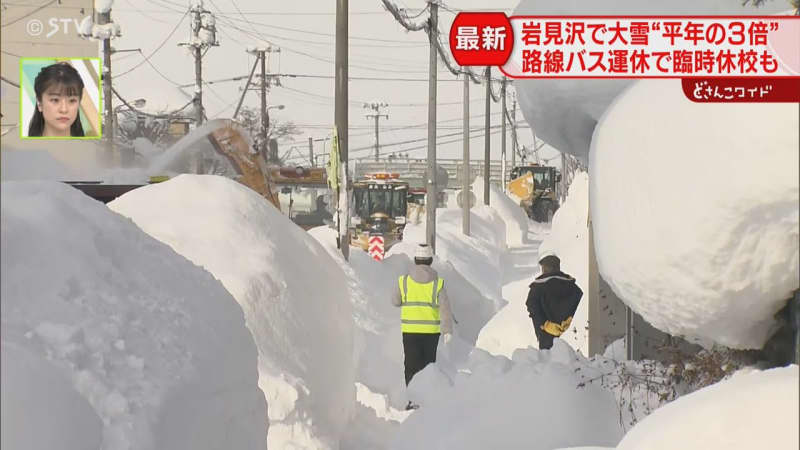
pixel 536 188
pixel 379 209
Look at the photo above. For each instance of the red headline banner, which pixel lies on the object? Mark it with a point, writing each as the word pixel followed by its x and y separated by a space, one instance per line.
pixel 629 46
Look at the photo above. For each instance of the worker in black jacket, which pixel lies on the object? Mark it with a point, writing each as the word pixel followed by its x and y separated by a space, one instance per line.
pixel 552 301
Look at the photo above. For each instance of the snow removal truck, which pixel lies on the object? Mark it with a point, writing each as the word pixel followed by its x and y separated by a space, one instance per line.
pixel 536 186
pixel 380 204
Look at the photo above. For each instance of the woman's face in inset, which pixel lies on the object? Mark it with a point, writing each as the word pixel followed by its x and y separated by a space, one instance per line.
pixel 59 106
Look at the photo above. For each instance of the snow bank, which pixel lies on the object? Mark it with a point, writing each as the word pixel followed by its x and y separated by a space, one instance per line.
pixel 20 165
pixel 530 402
pixel 111 340
pixel 41 408
pixel 378 343
pixel 565 112
pixel 747 411
pixel 696 226
pixel 514 217
pixel 294 296
pixel 510 329
pixel 477 257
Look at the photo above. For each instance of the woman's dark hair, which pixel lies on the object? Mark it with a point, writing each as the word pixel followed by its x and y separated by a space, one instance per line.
pixel 70 80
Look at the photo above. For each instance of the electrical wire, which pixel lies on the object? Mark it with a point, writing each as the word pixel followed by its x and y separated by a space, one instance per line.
pixel 144 14
pixel 37 9
pixel 11 54
pixel 156 116
pixel 9 81
pixel 147 58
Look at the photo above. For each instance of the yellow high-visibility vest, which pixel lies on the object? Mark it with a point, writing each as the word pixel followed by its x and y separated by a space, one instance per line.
pixel 420 305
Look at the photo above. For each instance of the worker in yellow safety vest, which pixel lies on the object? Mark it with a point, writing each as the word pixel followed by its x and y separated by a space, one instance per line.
pixel 425 312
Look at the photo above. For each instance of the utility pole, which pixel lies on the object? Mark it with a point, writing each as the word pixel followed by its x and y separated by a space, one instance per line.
pixel 487 138
pixel 466 191
pixel 104 18
pixel 311 151
pixel 376 106
pixel 246 87
pixel 431 197
pixel 204 36
pixel 514 132
pixel 266 82
pixel 563 177
pixel 264 112
pixel 503 113
pixel 341 120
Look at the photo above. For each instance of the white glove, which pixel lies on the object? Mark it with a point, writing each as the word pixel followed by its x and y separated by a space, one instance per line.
pixel 447 337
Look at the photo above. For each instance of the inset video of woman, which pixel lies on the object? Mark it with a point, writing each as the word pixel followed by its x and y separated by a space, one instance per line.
pixel 59 98
pixel 59 89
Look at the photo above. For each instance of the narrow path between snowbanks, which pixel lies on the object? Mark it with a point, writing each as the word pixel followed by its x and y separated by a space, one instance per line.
pixel 511 328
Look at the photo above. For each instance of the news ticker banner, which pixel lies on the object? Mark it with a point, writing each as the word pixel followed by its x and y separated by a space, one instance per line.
pixel 718 58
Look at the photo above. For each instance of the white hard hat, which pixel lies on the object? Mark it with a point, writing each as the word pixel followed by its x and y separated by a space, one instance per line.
pixel 423 252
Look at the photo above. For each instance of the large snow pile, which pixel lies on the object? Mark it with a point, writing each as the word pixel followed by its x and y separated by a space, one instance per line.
pixel 565 112
pixel 20 165
pixel 112 340
pixel 747 411
pixel 696 227
pixel 531 402
pixel 511 328
pixel 515 219
pixel 294 296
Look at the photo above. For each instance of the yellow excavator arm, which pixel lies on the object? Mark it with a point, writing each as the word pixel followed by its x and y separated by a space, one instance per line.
pixel 251 167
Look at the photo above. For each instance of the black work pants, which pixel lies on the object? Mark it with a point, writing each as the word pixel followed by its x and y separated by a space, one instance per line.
pixel 420 350
pixel 545 339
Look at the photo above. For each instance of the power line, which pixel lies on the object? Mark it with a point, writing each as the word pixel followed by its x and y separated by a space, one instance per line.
pixel 156 116
pixel 250 13
pixel 37 9
pixel 144 14
pixel 9 81
pixel 263 36
pixel 147 58
pixel 11 54
pixel 402 127
pixel 318 33
pixel 422 147
pixel 237 9
pixel 412 141
pixel 330 77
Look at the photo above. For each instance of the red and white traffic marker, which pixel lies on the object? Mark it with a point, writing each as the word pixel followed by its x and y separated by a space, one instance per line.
pixel 376 247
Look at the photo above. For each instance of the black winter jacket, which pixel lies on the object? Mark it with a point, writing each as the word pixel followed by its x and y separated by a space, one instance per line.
pixel 553 297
